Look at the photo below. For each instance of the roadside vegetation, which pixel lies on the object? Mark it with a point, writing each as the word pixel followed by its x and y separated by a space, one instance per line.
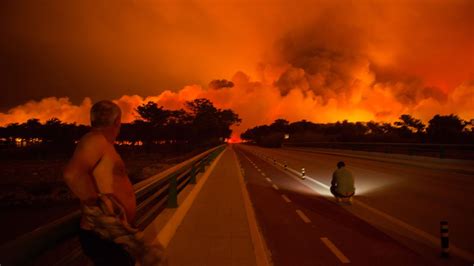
pixel 441 129
pixel 33 154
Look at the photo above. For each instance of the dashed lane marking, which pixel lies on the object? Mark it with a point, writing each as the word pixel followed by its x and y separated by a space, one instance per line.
pixel 269 180
pixel 335 250
pixel 286 198
pixel 303 216
pixel 275 187
pixel 423 236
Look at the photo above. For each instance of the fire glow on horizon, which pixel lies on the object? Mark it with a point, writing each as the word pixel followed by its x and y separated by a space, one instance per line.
pixel 321 61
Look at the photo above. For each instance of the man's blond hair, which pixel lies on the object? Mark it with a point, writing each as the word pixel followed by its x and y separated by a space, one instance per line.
pixel 104 113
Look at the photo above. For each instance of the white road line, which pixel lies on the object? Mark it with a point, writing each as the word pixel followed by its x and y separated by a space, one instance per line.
pixel 434 241
pixel 275 187
pixel 428 237
pixel 262 255
pixel 286 198
pixel 303 216
pixel 269 180
pixel 335 250
pixel 263 173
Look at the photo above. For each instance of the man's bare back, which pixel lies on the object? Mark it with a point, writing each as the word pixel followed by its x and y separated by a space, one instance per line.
pixel 95 158
pixel 107 234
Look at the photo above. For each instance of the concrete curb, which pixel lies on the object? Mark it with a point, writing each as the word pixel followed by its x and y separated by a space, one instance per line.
pixel 169 229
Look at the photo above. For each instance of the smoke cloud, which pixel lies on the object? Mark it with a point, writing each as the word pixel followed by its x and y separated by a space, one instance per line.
pixel 220 83
pixel 316 60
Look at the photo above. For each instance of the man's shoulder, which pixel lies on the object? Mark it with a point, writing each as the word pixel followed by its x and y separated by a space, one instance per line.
pixel 93 139
pixel 346 171
pixel 342 172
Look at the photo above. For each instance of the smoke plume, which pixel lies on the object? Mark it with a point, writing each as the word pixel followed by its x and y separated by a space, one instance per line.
pixel 316 60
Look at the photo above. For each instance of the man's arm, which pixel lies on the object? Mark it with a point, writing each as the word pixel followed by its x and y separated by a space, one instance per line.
pixel 77 173
pixel 334 179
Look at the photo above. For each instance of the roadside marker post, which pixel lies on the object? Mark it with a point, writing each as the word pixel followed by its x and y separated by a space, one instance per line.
pixel 303 173
pixel 444 229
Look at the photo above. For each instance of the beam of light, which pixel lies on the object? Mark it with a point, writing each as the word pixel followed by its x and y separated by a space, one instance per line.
pixel 364 185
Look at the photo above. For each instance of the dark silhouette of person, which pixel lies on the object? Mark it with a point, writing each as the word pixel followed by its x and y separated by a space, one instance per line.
pixel 342 183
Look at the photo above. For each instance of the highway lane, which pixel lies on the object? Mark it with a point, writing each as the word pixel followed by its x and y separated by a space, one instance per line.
pixel 417 198
pixel 302 228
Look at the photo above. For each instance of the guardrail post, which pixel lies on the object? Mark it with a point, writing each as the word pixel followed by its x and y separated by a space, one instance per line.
pixel 192 179
pixel 173 193
pixel 442 152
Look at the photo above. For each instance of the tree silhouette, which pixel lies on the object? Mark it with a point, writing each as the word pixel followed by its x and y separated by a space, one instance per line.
pixel 150 112
pixel 280 125
pixel 54 131
pixel 445 128
pixel 210 122
pixel 441 129
pixel 413 124
pixel 202 123
pixel 32 129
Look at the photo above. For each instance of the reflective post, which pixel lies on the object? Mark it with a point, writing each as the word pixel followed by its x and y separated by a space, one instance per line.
pixel 303 173
pixel 444 230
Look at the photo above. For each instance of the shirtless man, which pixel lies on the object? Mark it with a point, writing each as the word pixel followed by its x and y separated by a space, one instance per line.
pixel 96 168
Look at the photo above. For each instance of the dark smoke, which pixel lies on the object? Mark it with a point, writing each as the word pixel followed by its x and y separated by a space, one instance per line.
pixel 220 83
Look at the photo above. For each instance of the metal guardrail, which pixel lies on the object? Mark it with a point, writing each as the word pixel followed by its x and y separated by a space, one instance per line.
pixel 152 198
pixel 465 151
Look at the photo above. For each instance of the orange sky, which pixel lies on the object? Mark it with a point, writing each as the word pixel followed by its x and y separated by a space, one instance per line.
pixel 314 60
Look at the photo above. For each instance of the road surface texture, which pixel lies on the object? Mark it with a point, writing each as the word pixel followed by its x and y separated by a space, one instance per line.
pixel 394 219
pixel 215 231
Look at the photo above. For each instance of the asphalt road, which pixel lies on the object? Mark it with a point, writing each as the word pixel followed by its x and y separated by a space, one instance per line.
pixel 393 221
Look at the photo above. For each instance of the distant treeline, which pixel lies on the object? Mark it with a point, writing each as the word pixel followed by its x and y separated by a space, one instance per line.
pixel 446 129
pixel 200 124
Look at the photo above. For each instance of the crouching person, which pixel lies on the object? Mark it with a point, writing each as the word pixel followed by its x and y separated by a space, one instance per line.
pixel 342 183
pixel 96 175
